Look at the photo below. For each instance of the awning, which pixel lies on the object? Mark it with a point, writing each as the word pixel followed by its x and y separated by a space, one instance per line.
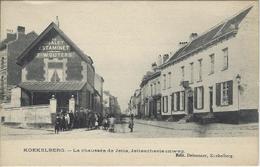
pixel 52 86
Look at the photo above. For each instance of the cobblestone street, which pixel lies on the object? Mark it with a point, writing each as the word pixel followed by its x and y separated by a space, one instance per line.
pixel 142 129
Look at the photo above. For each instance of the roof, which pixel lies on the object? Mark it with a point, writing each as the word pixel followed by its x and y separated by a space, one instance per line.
pixel 10 37
pixel 150 76
pixel 25 40
pixel 51 28
pixel 52 86
pixel 224 28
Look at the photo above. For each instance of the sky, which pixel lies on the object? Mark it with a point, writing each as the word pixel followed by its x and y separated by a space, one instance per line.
pixel 122 38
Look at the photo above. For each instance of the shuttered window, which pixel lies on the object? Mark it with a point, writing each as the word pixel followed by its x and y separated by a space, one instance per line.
pixel 224 93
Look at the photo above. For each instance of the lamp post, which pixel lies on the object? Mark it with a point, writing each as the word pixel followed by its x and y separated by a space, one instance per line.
pixel 238 78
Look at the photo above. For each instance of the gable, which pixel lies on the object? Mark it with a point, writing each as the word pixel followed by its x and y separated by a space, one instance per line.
pixel 51 43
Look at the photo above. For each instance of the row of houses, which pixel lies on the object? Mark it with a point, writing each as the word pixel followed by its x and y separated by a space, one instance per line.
pixel 214 73
pixel 36 68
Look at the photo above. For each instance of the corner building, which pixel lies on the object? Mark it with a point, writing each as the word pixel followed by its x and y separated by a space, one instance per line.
pixel 53 65
pixel 215 72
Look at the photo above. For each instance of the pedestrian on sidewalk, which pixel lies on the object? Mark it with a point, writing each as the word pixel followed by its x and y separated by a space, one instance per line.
pixel 131 123
pixel 57 124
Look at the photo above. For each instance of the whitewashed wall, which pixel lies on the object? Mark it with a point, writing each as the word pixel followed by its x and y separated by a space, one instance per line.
pixel 28 114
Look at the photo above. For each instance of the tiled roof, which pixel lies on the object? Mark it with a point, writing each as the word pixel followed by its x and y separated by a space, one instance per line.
pixel 209 36
pixel 52 86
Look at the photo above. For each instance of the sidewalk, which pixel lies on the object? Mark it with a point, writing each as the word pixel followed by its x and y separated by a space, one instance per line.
pixel 195 126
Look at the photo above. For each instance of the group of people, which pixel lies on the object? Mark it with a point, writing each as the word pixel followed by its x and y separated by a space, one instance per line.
pixel 86 119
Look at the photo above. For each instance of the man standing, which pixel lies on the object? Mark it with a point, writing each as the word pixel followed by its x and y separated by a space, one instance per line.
pixel 131 123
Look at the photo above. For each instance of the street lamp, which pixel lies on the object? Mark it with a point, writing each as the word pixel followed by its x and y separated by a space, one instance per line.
pixel 238 78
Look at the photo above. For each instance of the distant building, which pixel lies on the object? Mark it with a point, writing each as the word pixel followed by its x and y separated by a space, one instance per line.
pixel 98 100
pixel 135 104
pixel 110 104
pixel 10 49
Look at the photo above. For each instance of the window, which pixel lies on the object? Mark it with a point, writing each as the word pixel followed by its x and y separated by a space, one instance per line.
pixel 165 104
pixel 2 88
pixel 2 62
pixel 200 69
pixel 151 89
pixel 182 73
pixel 55 72
pixel 212 63
pixel 169 79
pixel 155 89
pixel 191 73
pixel 164 81
pixel 158 87
pixel 225 58
pixel 199 97
pixel 182 100
pixel 178 101
pixel 224 93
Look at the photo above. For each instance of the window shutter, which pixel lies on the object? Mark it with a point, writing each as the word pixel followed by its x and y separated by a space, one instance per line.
pixel 163 105
pixel 195 98
pixel 230 92
pixel 166 103
pixel 183 100
pixel 218 93
pixel 178 101
pixel 172 101
pixel 202 97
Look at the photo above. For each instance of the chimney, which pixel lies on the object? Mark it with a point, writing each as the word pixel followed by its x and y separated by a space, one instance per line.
pixel 154 65
pixel 181 44
pixel 159 60
pixel 20 31
pixel 165 57
pixel 193 36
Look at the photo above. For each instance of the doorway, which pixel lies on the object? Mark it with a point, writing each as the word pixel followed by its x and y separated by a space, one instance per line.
pixel 190 105
pixel 211 99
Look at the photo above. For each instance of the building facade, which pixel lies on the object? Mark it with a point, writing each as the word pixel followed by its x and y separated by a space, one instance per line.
pixel 216 72
pixel 53 66
pixel 10 49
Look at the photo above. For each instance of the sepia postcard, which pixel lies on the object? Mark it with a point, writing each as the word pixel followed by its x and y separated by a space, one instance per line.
pixel 129 83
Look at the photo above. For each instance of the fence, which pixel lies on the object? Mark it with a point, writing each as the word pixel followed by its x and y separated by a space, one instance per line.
pixel 38 114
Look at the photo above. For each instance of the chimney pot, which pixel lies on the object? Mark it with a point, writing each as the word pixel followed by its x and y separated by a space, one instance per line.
pixel 21 29
pixel 193 36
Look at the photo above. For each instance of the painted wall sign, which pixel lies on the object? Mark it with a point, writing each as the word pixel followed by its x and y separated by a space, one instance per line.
pixel 55 48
